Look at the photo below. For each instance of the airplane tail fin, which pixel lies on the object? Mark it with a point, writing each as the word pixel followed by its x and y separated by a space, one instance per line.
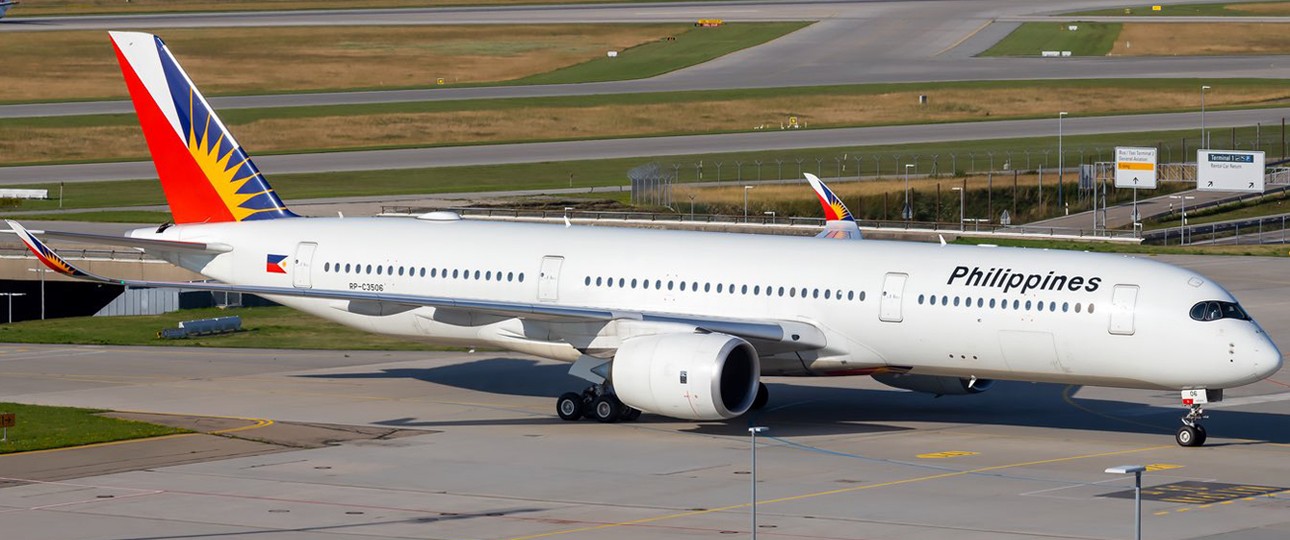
pixel 838 220
pixel 4 7
pixel 205 174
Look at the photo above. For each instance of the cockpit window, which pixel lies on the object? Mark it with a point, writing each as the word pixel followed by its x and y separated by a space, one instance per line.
pixel 1213 310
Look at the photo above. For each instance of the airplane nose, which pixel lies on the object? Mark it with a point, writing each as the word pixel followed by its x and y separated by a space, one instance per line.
pixel 1267 359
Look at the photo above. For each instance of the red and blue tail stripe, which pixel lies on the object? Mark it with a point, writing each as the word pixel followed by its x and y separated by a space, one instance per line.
pixel 205 173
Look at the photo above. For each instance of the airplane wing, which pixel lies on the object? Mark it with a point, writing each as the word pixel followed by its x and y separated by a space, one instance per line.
pixel 784 335
pixel 139 243
pixel 838 221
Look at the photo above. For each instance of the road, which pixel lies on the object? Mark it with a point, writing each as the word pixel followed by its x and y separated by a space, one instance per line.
pixel 662 146
pixel 853 43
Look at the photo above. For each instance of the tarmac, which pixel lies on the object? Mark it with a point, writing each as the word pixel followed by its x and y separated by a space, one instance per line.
pixel 481 454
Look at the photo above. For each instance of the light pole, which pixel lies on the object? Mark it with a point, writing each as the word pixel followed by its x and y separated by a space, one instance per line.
pixel 1136 471
pixel 960 190
pixel 907 212
pixel 746 188
pixel 11 295
pixel 1182 222
pixel 1061 159
pixel 752 435
pixel 1203 143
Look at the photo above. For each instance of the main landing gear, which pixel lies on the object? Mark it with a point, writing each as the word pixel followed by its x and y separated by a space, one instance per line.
pixel 597 401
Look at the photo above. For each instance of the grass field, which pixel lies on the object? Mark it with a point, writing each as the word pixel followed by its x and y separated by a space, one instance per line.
pixel 1145 39
pixel 1178 39
pixel 265 327
pixel 1115 247
pixel 79 65
pixel 42 428
pixel 1032 38
pixel 1241 9
pixel 42 8
pixel 402 125
pixel 966 157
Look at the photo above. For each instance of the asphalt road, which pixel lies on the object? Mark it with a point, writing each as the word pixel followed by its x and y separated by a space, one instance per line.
pixel 853 43
pixel 662 146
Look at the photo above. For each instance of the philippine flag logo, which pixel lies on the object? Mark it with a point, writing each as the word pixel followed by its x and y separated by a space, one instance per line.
pixel 276 264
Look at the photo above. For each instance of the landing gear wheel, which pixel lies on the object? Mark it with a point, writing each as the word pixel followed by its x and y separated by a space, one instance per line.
pixel 569 406
pixel 763 395
pixel 1190 436
pixel 1200 435
pixel 629 414
pixel 607 409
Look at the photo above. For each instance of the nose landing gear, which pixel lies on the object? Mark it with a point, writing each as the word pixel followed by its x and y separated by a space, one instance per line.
pixel 1192 433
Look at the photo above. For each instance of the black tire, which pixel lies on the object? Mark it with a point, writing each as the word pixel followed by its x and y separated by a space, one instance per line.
pixel 607 409
pixel 569 406
pixel 763 395
pixel 1201 435
pixel 1188 436
pixel 630 414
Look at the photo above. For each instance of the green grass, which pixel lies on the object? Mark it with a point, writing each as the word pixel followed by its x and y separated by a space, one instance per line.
pixel 1117 247
pixel 1266 206
pixel 690 48
pixel 265 327
pixel 592 174
pixel 1030 39
pixel 106 216
pixel 1176 10
pixel 42 428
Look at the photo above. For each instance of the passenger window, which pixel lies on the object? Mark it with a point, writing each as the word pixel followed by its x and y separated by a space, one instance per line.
pixel 792 292
pixel 862 296
pixel 347 268
pixel 1027 305
pixel 521 277
pixel 1077 307
pixel 455 272
pixel 1066 306
pixel 956 301
pixel 1039 307
pixel 683 285
pixel 586 281
pixel 510 276
pixel 707 287
pixel 781 291
pixel 827 294
pixel 389 270
pixel 1090 308
pixel 1016 304
pixel 968 302
pixel 920 299
pixel 669 285
pixel 718 287
pixel 1052 306
pixel 633 283
pixel 400 270
pixel 991 303
pixel 599 281
pixel 815 293
pixel 980 302
pixel 423 273
pixel 622 282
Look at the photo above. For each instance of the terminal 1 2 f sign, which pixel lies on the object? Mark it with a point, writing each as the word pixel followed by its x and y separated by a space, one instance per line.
pixel 1135 168
pixel 1229 170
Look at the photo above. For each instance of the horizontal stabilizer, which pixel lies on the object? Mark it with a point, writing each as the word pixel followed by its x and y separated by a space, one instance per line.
pixel 141 243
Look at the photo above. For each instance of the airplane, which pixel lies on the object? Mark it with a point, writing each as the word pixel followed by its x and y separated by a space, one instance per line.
pixel 5 6
pixel 681 324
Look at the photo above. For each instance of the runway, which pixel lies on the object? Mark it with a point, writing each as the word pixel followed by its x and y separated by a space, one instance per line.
pixel 649 147
pixel 852 43
pixel 845 458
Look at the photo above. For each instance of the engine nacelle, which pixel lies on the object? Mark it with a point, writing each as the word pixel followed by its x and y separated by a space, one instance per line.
pixel 687 376
pixel 934 384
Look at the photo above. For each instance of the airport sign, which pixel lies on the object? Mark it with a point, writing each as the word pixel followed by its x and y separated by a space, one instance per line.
pixel 1229 170
pixel 1135 167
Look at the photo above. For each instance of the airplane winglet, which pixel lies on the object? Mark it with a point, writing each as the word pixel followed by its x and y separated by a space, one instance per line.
pixel 47 256
pixel 838 220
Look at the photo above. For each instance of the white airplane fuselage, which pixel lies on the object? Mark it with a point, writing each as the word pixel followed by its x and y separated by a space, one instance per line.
pixel 960 311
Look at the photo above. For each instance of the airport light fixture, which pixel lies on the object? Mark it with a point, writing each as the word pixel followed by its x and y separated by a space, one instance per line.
pixel 1061 159
pixel 960 190
pixel 11 295
pixel 752 434
pixel 1136 471
pixel 907 212
pixel 1203 143
pixel 1182 221
pixel 746 188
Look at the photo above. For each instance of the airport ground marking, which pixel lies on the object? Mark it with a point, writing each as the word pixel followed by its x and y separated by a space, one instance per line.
pixel 978 30
pixel 791 498
pixel 946 454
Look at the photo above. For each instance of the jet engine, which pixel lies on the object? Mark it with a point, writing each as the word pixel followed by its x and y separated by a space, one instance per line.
pixel 701 376
pixel 934 384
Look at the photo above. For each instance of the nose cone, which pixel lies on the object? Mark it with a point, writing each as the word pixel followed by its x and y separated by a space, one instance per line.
pixel 1267 359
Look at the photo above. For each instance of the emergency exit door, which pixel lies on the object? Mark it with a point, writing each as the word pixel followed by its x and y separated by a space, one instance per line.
pixel 1123 301
pixel 893 293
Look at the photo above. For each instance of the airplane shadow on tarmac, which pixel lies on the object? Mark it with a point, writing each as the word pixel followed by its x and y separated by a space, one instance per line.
pixel 801 410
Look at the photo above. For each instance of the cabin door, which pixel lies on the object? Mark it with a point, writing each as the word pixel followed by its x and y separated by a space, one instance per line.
pixel 893 293
pixel 549 279
pixel 1123 302
pixel 302 269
